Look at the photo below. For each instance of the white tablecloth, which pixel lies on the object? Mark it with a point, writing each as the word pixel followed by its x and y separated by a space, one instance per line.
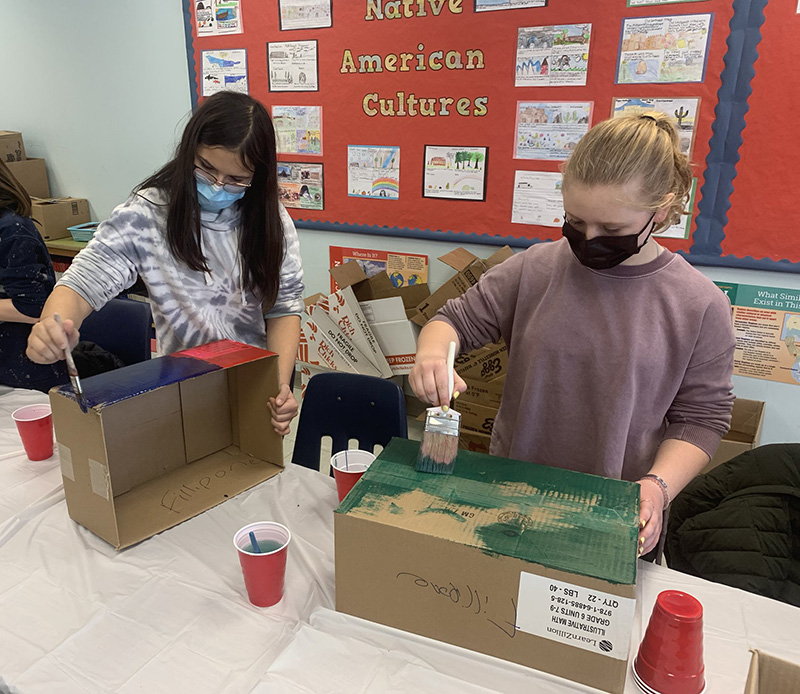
pixel 171 614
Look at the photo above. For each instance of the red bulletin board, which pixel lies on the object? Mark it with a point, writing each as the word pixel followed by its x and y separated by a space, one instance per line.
pixel 459 28
pixel 761 220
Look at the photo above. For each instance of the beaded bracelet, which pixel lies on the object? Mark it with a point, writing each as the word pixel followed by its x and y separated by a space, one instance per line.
pixel 661 483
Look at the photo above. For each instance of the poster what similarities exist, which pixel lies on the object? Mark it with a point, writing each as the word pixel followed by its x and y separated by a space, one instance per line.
pixel 766 322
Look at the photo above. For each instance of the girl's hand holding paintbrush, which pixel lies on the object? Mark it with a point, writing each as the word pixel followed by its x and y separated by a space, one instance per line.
pixel 49 340
pixel 429 378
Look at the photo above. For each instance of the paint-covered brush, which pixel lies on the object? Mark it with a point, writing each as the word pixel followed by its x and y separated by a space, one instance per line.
pixel 439 446
pixel 73 372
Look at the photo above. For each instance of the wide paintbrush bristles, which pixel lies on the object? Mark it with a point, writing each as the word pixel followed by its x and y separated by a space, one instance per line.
pixel 439 446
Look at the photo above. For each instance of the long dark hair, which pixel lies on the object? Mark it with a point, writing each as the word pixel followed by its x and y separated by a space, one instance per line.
pixel 241 124
pixel 12 195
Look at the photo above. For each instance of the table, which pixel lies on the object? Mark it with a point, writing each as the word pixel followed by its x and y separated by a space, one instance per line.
pixel 66 247
pixel 171 614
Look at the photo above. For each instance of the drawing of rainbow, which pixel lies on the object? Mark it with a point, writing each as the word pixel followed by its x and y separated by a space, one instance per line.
pixel 390 185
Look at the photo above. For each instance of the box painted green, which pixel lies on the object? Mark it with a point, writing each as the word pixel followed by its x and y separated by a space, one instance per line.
pixel 578 523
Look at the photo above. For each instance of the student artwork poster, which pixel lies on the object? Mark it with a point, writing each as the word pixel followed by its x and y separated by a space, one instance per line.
pixel 457 173
pixel 300 185
pixel 215 17
pixel 298 129
pixel 537 199
pixel 663 50
pixel 373 172
pixel 490 5
pixel 766 322
pixel 642 3
pixel 305 14
pixel 552 56
pixel 404 269
pixel 682 112
pixel 292 66
pixel 550 130
pixel 681 229
pixel 224 70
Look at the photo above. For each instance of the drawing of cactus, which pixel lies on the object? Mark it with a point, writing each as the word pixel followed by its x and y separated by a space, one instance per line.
pixel 680 114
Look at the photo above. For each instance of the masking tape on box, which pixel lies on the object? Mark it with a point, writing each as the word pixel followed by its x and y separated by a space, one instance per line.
pixel 98 474
pixel 65 455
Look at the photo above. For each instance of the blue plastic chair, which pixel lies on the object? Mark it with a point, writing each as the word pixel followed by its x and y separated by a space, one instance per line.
pixel 348 406
pixel 122 327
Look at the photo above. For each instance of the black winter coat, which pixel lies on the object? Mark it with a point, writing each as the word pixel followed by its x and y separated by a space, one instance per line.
pixel 739 524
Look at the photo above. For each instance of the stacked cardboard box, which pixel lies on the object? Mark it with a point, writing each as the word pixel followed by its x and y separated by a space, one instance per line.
pixel 371 327
pixel 31 173
pixel 52 216
pixel 484 371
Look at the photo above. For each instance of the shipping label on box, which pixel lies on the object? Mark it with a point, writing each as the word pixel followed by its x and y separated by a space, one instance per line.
pixel 12 147
pixel 396 335
pixel 166 439
pixel 32 175
pixel 486 560
pixel 485 364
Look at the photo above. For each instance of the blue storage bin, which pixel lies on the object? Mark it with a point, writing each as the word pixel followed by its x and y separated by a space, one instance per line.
pixel 83 232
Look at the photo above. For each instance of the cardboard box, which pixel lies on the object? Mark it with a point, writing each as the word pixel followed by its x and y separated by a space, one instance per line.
pixel 396 335
pixel 32 175
pixel 745 432
pixel 485 364
pixel 379 286
pixel 771 675
pixel 167 439
pixel 343 309
pixel 323 325
pixel 12 147
pixel 52 216
pixel 529 563
pixel 474 441
pixel 468 269
pixel 489 394
pixel 476 417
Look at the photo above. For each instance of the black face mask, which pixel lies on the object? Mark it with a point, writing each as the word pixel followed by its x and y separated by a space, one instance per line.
pixel 604 252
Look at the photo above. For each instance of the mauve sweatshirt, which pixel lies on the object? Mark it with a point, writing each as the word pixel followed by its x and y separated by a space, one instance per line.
pixel 603 365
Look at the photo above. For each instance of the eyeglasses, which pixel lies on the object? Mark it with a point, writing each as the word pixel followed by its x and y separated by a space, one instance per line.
pixel 204 177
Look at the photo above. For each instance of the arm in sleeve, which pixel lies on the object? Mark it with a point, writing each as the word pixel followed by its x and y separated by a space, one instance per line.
pixel 107 266
pixel 701 411
pixel 26 273
pixel 485 312
pixel 289 301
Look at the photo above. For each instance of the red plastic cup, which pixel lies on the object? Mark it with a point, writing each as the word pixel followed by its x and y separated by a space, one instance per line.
pixel 348 466
pixel 35 427
pixel 670 658
pixel 263 571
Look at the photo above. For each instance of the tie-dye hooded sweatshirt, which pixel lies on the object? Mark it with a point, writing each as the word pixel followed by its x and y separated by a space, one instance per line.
pixel 189 308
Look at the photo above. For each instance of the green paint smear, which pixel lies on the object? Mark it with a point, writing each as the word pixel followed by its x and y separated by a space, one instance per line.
pixel 565 520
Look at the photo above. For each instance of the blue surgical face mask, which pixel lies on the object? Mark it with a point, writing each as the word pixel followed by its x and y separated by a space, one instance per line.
pixel 213 198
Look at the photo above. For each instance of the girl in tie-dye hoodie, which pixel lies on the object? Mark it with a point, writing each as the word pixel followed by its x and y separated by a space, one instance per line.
pixel 218 253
